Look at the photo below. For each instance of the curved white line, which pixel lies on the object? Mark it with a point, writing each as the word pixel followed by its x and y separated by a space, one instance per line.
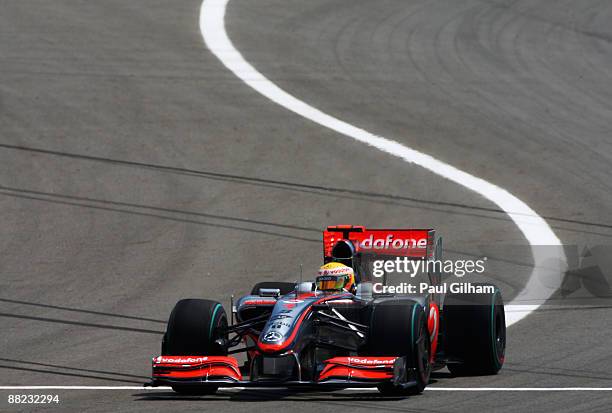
pixel 549 261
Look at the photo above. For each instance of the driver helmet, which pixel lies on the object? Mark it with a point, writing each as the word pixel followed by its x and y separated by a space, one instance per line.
pixel 335 276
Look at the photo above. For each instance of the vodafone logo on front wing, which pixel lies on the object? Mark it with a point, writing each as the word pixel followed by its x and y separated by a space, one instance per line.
pixel 356 360
pixel 180 360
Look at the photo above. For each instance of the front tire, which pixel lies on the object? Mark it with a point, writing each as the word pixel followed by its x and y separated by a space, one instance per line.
pixel 399 328
pixel 193 329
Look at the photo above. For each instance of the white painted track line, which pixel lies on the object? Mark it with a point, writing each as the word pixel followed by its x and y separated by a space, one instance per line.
pixel 549 261
pixel 519 389
pixel 82 388
pixel 360 389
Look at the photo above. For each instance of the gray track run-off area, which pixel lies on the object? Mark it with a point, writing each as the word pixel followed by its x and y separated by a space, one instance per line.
pixel 136 170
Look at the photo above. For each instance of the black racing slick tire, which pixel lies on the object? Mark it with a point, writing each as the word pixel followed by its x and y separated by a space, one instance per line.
pixel 193 329
pixel 284 287
pixel 475 326
pixel 399 328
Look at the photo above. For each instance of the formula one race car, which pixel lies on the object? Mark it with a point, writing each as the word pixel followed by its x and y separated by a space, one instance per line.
pixel 339 331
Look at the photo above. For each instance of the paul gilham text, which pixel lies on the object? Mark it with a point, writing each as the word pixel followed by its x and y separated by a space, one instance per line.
pixel 425 288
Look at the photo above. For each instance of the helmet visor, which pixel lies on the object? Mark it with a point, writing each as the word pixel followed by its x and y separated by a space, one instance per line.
pixel 331 282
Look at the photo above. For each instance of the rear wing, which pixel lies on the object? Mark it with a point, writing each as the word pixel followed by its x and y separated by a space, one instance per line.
pixel 412 243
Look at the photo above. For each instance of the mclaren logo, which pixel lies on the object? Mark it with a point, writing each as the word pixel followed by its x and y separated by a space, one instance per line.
pixel 272 336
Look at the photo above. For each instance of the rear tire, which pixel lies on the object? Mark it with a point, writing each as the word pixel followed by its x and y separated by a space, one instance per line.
pixel 399 328
pixel 193 328
pixel 475 333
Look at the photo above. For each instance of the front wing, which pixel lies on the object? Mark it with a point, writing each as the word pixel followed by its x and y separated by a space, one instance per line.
pixel 223 371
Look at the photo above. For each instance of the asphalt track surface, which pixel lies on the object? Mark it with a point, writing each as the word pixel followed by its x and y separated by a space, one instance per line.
pixel 136 170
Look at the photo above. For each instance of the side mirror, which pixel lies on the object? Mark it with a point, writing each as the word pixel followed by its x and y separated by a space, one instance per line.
pixel 269 292
pixel 305 287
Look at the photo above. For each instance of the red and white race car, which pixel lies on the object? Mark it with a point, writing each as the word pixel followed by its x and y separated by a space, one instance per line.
pixel 340 330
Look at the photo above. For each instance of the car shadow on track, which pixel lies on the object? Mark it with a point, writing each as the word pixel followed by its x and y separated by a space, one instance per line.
pixel 268 395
